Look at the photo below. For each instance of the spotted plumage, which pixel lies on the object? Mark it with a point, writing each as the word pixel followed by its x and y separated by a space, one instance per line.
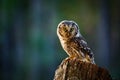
pixel 72 41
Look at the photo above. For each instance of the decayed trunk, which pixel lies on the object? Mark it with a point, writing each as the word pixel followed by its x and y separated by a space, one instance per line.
pixel 74 69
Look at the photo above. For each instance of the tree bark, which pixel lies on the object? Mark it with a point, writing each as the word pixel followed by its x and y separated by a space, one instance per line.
pixel 74 69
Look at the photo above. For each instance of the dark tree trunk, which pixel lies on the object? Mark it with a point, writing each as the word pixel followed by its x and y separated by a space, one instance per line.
pixel 74 69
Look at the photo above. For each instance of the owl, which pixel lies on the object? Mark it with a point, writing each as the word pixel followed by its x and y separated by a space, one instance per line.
pixel 72 41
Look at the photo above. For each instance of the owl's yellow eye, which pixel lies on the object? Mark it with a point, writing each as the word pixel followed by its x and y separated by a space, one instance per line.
pixel 65 29
pixel 71 29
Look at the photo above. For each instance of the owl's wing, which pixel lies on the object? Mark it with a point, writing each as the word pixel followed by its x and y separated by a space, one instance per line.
pixel 84 47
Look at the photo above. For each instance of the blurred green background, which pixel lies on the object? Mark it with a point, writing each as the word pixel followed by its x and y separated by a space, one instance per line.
pixel 30 48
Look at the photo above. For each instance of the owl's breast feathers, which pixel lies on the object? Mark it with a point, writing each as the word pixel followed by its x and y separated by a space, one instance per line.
pixel 80 45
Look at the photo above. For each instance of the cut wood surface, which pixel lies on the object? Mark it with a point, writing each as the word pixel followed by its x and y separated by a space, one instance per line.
pixel 74 69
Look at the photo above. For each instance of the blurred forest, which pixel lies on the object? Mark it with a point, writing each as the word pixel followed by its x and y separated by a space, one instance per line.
pixel 29 46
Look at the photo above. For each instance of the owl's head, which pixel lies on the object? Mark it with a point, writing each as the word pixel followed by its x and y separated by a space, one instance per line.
pixel 67 29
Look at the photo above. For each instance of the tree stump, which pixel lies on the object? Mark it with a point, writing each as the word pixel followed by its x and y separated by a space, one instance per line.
pixel 74 69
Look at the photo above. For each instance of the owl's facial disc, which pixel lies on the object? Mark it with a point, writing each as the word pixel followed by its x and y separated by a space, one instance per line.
pixel 68 28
